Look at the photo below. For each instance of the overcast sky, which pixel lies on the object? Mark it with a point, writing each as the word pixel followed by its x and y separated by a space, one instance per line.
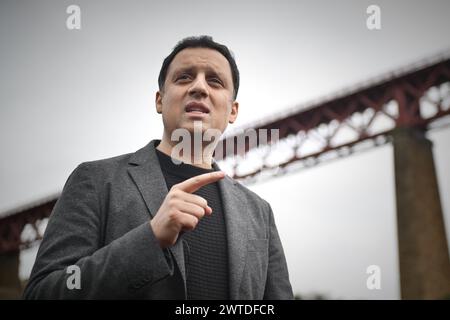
pixel 69 96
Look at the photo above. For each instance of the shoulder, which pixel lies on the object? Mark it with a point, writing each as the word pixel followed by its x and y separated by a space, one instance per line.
pixel 102 169
pixel 106 164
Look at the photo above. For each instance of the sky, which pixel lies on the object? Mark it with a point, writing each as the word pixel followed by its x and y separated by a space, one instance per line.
pixel 70 96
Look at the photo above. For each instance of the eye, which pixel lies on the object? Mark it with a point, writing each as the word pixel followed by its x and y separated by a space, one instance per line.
pixel 216 81
pixel 183 76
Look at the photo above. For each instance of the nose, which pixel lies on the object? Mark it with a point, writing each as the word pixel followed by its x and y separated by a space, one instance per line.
pixel 199 88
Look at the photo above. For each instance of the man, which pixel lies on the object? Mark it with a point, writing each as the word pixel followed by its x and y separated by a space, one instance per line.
pixel 157 224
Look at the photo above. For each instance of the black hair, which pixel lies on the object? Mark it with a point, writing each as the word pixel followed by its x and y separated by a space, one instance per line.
pixel 200 42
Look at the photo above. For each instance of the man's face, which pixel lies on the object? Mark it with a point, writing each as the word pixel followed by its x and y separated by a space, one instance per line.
pixel 198 87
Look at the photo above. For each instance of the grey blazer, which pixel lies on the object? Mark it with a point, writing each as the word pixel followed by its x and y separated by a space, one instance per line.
pixel 101 224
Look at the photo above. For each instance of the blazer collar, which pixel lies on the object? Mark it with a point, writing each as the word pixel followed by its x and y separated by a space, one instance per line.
pixel 149 179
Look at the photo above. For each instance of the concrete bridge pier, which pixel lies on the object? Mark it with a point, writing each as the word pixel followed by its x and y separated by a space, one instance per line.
pixel 423 249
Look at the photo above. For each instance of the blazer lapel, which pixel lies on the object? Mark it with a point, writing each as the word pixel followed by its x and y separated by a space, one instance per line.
pixel 149 179
pixel 236 216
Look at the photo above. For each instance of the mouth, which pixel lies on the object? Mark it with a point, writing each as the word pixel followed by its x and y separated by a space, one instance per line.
pixel 196 108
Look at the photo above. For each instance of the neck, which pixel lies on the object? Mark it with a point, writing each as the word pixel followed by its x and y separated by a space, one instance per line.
pixel 199 158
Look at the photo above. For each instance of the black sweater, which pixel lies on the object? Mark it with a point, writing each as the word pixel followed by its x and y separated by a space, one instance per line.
pixel 206 254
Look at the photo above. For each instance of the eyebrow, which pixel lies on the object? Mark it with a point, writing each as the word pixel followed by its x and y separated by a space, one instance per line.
pixel 193 69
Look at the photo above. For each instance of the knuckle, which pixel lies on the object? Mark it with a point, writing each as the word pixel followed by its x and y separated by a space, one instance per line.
pixel 172 203
pixel 174 192
pixel 202 201
pixel 173 215
pixel 200 212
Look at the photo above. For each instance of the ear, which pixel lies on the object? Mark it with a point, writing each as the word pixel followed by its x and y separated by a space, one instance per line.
pixel 234 112
pixel 158 102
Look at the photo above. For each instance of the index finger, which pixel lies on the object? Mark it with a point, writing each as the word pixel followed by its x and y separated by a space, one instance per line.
pixel 193 184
